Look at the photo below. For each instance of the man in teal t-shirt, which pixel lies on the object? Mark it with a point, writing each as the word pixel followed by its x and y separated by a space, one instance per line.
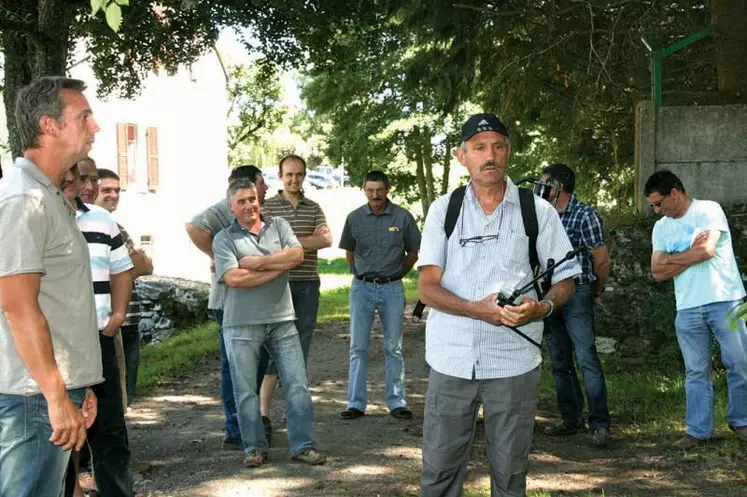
pixel 692 244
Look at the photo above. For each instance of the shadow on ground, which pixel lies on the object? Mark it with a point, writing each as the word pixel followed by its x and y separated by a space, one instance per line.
pixel 178 430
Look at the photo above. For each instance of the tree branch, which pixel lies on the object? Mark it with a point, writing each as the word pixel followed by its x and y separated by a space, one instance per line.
pixel 17 26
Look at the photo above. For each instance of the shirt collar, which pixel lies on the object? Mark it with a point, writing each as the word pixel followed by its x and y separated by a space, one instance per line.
pixel 81 206
pixel 29 167
pixel 280 197
pixel 387 209
pixel 266 221
pixel 511 196
pixel 572 204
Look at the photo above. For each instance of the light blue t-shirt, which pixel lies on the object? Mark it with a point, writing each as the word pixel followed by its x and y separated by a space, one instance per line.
pixel 714 280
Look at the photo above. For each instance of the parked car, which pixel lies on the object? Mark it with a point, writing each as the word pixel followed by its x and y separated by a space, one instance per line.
pixel 320 180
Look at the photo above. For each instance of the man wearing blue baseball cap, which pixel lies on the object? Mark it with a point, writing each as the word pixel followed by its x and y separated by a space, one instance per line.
pixel 481 352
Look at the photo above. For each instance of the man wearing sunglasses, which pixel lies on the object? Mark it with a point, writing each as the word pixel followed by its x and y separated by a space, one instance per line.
pixel 475 359
pixel 692 244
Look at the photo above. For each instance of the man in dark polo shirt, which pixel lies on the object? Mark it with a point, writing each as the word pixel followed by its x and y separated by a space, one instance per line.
pixel 252 257
pixel 310 227
pixel 381 241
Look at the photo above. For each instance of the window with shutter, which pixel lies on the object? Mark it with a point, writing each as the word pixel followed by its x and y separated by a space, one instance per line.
pixel 122 156
pixel 151 136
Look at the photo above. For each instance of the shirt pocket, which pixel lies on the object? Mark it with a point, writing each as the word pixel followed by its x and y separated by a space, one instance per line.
pixel 517 249
pixel 364 240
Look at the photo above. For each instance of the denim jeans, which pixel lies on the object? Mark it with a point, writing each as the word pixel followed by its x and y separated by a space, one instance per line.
pixel 30 465
pixel 243 347
pixel 131 340
pixel 389 300
pixel 572 328
pixel 305 296
pixel 694 327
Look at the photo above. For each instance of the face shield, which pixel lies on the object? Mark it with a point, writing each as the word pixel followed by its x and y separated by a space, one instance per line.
pixel 547 189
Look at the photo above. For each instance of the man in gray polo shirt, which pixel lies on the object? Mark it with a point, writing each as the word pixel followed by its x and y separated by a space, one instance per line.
pixel 201 230
pixel 49 348
pixel 253 257
pixel 381 241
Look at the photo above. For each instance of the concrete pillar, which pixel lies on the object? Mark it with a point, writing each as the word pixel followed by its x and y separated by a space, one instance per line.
pixel 645 151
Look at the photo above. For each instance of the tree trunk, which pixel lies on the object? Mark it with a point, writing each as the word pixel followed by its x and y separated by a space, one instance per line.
pixel 447 168
pixel 419 169
pixel 41 50
pixel 728 21
pixel 427 149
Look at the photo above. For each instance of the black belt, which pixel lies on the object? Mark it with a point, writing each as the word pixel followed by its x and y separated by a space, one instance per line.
pixel 379 280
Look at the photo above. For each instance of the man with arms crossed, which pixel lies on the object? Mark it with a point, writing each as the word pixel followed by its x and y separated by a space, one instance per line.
pixel 310 227
pixel 201 230
pixel 474 357
pixel 253 257
pixel 49 349
pixel 692 244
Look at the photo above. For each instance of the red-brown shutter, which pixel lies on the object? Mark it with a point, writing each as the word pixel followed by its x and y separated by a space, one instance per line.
pixel 124 176
pixel 151 137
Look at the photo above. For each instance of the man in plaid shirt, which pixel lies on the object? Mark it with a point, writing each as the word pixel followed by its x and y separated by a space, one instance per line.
pixel 573 327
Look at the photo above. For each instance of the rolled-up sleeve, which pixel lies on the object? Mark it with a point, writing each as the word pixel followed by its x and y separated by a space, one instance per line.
pixel 224 254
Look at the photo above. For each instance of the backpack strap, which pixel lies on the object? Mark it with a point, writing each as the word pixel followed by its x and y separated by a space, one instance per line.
pixel 453 210
pixel 531 229
pixel 452 215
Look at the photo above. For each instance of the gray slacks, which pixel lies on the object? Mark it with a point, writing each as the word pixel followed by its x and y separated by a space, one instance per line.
pixel 448 430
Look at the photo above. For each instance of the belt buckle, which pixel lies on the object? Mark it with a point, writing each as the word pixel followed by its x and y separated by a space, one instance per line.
pixel 377 281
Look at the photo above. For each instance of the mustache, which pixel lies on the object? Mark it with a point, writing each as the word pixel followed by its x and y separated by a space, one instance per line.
pixel 490 163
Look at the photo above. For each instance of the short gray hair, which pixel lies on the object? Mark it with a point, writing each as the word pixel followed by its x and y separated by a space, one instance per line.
pixel 239 184
pixel 40 98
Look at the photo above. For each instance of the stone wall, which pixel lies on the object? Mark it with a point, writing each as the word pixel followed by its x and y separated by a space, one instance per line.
pixel 170 304
pixel 638 312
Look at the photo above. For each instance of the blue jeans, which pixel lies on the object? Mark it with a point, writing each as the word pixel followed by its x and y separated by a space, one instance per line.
pixel 389 300
pixel 30 465
pixel 243 347
pixel 226 385
pixel 306 306
pixel 694 327
pixel 572 328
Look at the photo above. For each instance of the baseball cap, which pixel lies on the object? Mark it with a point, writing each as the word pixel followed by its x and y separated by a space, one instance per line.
pixel 482 122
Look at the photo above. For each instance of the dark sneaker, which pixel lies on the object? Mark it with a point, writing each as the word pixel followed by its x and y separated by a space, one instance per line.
pixel 268 429
pixel 562 430
pixel 232 444
pixel 352 413
pixel 310 456
pixel 402 413
pixel 687 442
pixel 255 458
pixel 740 431
pixel 600 437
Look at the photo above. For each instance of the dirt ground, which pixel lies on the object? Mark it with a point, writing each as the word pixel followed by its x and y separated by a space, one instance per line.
pixel 178 431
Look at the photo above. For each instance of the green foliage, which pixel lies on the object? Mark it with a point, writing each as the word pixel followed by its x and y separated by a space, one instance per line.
pixel 255 107
pixel 736 315
pixel 112 11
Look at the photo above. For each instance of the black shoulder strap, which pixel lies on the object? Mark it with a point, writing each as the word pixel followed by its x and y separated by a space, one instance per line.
pixel 531 229
pixel 452 211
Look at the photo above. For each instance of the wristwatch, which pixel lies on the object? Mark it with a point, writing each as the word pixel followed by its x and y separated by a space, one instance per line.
pixel 552 306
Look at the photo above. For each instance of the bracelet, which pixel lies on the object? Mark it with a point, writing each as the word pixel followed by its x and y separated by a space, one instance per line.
pixel 552 306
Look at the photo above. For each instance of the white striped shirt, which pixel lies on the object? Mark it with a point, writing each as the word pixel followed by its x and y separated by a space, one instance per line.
pixel 460 346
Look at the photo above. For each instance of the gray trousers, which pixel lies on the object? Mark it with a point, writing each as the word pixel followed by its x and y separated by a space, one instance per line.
pixel 448 430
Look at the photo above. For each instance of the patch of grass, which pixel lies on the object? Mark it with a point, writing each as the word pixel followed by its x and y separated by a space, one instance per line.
pixel 333 266
pixel 175 354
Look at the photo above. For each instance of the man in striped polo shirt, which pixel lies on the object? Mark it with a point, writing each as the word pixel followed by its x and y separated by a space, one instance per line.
pixel 108 198
pixel 111 269
pixel 310 227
